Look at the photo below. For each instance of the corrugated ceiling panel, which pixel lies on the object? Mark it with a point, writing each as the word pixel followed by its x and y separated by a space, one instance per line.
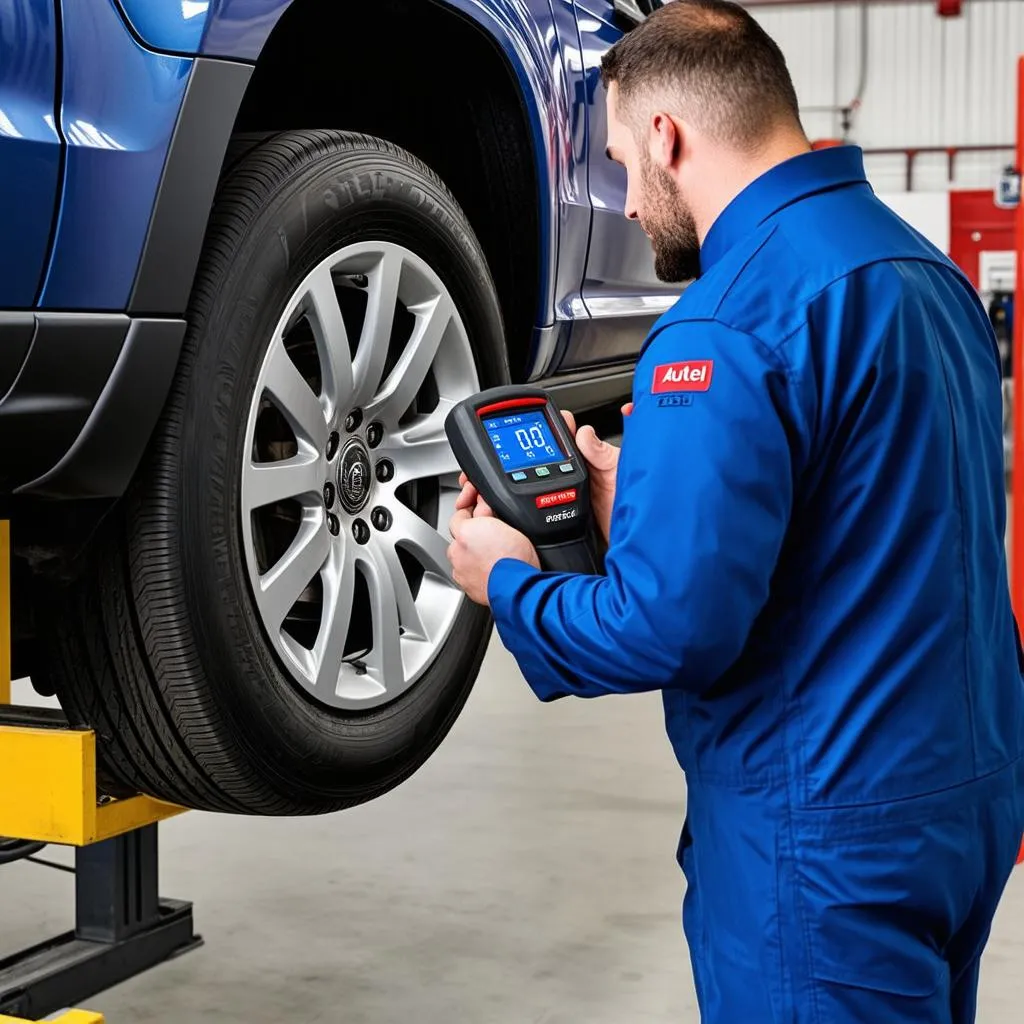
pixel 931 81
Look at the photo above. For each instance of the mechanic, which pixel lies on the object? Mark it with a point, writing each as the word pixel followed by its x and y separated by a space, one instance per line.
pixel 805 553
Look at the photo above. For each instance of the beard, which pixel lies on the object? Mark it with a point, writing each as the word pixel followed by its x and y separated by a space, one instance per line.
pixel 668 222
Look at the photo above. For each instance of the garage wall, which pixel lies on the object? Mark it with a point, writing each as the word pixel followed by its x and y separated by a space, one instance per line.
pixel 929 212
pixel 929 81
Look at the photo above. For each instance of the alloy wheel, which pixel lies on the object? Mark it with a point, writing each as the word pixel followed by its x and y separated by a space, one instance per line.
pixel 348 479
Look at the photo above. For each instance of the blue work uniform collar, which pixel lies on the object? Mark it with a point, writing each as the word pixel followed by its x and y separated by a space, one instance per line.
pixel 793 179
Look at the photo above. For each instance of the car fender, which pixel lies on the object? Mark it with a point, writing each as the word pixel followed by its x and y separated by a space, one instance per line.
pixel 175 26
pixel 237 30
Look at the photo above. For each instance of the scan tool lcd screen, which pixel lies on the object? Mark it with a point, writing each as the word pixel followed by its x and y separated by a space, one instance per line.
pixel 522 440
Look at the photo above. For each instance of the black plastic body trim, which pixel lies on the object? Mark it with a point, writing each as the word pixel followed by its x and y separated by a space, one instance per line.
pixel 16 330
pixel 69 361
pixel 78 417
pixel 188 186
pixel 105 455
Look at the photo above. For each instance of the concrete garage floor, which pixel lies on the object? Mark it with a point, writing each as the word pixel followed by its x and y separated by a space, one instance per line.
pixel 524 876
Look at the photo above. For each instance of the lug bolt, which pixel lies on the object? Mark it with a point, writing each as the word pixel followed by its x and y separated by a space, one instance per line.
pixel 328 494
pixel 374 434
pixel 360 531
pixel 332 444
pixel 332 524
pixel 381 518
pixel 385 470
pixel 353 419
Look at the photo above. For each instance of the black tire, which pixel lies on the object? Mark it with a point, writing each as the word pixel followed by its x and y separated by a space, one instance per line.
pixel 158 646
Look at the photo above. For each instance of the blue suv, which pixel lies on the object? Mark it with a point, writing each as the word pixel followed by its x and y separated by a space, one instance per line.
pixel 253 250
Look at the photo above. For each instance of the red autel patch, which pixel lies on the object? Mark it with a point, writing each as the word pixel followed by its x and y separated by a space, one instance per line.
pixel 694 375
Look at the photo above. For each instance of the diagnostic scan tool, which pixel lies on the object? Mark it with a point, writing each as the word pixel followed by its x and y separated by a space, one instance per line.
pixel 515 447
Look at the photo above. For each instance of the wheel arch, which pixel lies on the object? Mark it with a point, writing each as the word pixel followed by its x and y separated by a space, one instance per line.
pixel 501 144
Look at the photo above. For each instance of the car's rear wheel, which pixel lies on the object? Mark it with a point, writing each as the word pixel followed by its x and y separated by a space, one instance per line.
pixel 268 626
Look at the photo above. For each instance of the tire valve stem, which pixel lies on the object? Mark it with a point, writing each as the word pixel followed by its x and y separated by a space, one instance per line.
pixel 381 519
pixel 360 531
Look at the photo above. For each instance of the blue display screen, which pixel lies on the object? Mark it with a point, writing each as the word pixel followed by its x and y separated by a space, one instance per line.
pixel 523 439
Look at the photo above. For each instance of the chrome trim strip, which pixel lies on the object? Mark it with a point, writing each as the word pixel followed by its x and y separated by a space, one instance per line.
pixel 604 307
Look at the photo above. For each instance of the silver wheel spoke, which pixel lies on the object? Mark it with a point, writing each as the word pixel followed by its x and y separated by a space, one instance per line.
pixel 425 458
pixel 339 589
pixel 295 398
pixel 408 614
pixel 280 587
pixel 372 353
pixel 422 541
pixel 265 483
pixel 384 660
pixel 432 320
pixel 422 449
pixel 331 339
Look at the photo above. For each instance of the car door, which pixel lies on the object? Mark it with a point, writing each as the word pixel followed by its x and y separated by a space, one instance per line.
pixel 29 146
pixel 621 296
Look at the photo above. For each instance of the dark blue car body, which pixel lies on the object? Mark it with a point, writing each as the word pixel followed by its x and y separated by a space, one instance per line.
pixel 114 119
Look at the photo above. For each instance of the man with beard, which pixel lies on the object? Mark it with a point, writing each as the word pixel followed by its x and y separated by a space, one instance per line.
pixel 805 554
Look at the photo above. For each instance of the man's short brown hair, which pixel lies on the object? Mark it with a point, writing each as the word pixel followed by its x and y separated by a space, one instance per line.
pixel 713 64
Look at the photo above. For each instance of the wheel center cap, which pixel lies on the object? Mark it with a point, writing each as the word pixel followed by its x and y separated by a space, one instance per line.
pixel 355 477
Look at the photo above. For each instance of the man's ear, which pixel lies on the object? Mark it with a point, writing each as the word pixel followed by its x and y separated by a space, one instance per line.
pixel 665 142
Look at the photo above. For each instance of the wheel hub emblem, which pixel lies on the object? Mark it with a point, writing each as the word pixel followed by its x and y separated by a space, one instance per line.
pixel 354 477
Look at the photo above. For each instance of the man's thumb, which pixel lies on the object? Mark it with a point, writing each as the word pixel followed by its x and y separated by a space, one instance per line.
pixel 598 453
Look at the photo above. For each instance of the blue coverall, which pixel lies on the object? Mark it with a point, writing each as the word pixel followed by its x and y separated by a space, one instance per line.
pixel 806 558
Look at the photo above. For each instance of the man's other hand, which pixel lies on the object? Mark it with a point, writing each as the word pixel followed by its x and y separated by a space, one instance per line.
pixel 603 463
pixel 479 542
